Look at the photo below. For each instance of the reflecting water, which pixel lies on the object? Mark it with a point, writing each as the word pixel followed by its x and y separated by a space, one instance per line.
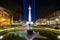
pixel 19 35
pixel 28 35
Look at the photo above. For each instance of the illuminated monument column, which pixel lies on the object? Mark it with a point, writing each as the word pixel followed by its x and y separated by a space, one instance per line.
pixel 33 11
pixel 29 12
pixel 29 22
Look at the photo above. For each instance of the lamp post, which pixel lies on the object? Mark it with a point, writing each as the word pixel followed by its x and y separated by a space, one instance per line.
pixel 3 19
pixel 56 21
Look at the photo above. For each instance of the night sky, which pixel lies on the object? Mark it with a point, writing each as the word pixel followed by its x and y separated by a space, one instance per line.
pixel 47 7
pixel 44 7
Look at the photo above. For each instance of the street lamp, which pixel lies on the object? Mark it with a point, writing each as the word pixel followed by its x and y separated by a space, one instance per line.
pixel 3 19
pixel 58 36
pixel 56 21
pixel 1 37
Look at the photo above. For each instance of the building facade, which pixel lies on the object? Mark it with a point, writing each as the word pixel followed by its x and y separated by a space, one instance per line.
pixel 4 17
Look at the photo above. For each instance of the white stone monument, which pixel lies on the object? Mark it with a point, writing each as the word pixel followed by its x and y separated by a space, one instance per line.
pixel 29 22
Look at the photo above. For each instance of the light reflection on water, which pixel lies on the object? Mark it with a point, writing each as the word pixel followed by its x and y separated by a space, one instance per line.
pixel 20 34
pixel 31 36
